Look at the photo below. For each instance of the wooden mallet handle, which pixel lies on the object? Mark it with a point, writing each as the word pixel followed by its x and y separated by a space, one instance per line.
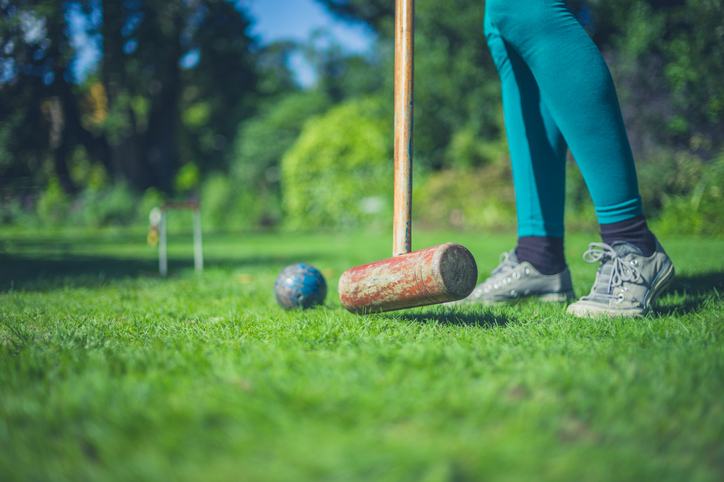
pixel 404 70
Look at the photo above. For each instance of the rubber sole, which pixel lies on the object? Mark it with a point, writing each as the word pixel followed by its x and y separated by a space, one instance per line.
pixel 591 310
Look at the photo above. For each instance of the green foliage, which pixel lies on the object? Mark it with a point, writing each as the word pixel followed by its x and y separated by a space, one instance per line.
pixel 699 210
pixel 115 204
pixel 263 140
pixel 226 205
pixel 217 201
pixel 187 178
pixel 173 81
pixel 275 78
pixel 85 173
pixel 467 149
pixel 480 199
pixel 341 75
pixel 260 145
pixel 108 205
pixel 339 171
pixel 695 55
pixel 144 119
pixel 53 204
pixel 13 213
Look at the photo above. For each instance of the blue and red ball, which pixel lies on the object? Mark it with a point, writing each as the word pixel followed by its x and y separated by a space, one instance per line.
pixel 300 285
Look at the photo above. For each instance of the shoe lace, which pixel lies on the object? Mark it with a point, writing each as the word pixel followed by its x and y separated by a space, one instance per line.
pixel 622 269
pixel 506 264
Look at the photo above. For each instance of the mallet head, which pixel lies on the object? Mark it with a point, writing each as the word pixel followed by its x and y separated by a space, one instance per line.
pixel 434 275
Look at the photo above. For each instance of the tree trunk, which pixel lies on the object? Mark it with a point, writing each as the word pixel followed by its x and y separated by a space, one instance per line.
pixel 59 144
pixel 161 136
pixel 123 145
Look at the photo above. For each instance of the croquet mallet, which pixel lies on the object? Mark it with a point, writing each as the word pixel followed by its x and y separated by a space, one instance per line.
pixel 434 275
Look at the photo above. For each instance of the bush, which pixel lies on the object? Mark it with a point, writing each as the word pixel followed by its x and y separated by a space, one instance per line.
pixel 261 144
pixel 339 172
pixel 700 211
pixel 13 212
pixel 217 201
pixel 468 149
pixel 53 204
pixel 110 205
pixel 467 198
pixel 666 175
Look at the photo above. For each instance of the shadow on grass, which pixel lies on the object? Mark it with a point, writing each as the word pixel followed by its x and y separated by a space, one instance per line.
pixel 41 273
pixel 696 290
pixel 451 316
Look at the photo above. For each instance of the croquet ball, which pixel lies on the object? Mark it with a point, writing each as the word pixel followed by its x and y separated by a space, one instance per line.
pixel 300 285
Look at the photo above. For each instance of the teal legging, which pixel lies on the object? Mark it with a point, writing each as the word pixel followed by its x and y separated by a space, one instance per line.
pixel 556 85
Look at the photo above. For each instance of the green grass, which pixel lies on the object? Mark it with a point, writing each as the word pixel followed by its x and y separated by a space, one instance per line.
pixel 108 372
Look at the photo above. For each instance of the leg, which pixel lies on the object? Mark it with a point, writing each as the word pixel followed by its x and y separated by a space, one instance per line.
pixel 578 90
pixel 537 267
pixel 537 148
pixel 538 156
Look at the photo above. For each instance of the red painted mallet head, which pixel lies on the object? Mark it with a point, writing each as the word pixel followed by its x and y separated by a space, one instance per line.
pixel 434 275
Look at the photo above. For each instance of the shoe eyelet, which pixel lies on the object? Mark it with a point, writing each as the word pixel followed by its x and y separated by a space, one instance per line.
pixel 634 262
pixel 513 293
pixel 496 285
pixel 619 298
pixel 508 280
pixel 527 271
pixel 516 275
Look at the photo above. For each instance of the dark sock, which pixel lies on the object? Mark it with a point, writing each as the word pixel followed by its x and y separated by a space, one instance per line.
pixel 634 231
pixel 544 253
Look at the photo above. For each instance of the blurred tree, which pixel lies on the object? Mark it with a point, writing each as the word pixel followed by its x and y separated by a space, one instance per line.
pixel 39 115
pixel 179 77
pixel 174 80
pixel 275 77
pixel 341 75
pixel 456 86
pixel 262 142
pixel 379 14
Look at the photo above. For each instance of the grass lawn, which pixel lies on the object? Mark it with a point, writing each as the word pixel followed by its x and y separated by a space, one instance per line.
pixel 108 372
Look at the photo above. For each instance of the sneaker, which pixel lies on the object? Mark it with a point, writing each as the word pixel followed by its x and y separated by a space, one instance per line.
pixel 627 283
pixel 512 282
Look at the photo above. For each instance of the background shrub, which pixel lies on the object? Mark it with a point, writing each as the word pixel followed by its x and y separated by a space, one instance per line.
pixel 700 210
pixel 480 198
pixel 114 204
pixel 339 172
pixel 53 204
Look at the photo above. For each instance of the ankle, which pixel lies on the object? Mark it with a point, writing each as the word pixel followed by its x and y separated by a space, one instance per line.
pixel 544 253
pixel 634 231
